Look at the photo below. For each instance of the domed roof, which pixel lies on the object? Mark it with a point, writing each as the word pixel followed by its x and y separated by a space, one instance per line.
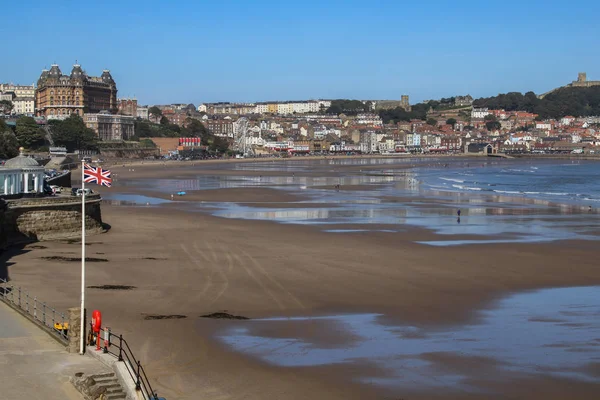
pixel 77 72
pixel 107 77
pixel 43 77
pixel 21 161
pixel 55 71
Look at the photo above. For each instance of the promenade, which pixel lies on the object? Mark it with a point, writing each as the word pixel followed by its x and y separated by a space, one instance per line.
pixel 35 366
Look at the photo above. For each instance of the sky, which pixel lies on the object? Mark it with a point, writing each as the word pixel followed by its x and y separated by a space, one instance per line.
pixel 195 51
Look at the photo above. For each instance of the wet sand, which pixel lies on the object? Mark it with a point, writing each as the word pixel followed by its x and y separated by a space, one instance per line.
pixel 191 263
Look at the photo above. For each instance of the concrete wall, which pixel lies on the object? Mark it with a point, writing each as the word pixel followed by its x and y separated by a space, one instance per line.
pixel 3 236
pixel 50 218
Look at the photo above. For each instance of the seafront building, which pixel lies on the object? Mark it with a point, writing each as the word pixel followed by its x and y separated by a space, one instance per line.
pixel 21 175
pixel 58 95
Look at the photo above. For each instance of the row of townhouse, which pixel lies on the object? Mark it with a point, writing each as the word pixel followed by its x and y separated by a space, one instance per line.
pixel 280 108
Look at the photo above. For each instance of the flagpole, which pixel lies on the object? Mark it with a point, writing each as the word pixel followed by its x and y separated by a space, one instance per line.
pixel 83 322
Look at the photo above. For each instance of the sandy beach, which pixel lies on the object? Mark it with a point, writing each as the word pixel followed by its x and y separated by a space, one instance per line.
pixel 190 263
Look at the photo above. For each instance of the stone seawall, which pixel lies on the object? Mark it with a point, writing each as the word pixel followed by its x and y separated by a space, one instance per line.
pixel 50 218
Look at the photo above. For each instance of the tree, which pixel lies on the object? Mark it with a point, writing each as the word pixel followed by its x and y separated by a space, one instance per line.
pixel 164 121
pixel 490 117
pixel 29 134
pixel 6 106
pixel 431 121
pixel 143 129
pixel 493 125
pixel 3 126
pixel 219 145
pixel 451 121
pixel 73 134
pixel 155 112
pixel 9 145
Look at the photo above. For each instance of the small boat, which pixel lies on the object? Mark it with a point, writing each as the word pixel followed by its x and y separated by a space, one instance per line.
pixel 180 193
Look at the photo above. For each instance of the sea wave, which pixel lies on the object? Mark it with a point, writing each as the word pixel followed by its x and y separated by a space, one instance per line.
pixel 453 180
pixel 548 193
pixel 461 187
pixel 507 191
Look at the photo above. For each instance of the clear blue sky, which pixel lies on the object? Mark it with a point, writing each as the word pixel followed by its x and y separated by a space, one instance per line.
pixel 204 51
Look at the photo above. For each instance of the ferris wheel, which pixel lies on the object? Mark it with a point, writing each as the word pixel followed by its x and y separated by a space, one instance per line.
pixel 240 135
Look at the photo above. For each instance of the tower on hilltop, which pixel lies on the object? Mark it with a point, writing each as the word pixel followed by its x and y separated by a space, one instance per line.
pixel 581 77
pixel 404 103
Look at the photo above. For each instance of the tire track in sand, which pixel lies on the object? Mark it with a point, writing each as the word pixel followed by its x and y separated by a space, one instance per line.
pixel 260 268
pixel 208 282
pixel 215 265
pixel 258 280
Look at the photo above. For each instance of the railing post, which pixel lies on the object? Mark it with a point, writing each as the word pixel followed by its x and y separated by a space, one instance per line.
pixel 138 386
pixel 19 296
pixel 35 308
pixel 120 347
pixel 53 318
pixel 27 302
pixel 44 313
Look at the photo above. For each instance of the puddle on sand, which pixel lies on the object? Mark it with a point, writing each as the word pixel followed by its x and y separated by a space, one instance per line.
pixel 119 199
pixel 552 332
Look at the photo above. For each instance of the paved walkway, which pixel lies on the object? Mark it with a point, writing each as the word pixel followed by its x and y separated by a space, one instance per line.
pixel 35 366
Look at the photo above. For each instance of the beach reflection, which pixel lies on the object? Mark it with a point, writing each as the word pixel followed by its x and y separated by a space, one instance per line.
pixel 550 332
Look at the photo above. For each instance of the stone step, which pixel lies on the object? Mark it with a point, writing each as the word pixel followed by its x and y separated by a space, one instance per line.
pixel 111 386
pixel 115 396
pixel 104 375
pixel 105 381
pixel 114 391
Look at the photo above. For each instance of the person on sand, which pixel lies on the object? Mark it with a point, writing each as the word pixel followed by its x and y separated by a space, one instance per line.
pixel 171 196
pixel 458 213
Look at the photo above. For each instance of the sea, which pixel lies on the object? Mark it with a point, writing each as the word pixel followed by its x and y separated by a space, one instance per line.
pixel 561 181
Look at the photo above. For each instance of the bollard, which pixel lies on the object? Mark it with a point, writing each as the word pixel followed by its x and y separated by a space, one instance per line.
pixel 106 339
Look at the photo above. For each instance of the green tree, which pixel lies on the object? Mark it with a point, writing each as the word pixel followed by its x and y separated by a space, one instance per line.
pixel 29 134
pixel 451 121
pixel 431 121
pixel 493 125
pixel 219 145
pixel 73 134
pixel 156 112
pixel 6 106
pixel 147 143
pixel 164 121
pixel 490 117
pixel 3 126
pixel 143 129
pixel 9 145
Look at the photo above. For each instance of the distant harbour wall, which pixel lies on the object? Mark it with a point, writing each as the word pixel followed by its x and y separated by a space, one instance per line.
pixel 49 218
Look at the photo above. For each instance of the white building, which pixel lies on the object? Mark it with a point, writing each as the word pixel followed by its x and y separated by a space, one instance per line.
pixel 546 126
pixel 261 108
pixel 479 113
pixel 21 175
pixel 369 119
pixel 22 97
pixel 202 108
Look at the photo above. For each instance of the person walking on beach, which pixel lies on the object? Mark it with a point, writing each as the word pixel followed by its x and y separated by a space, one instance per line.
pixel 458 213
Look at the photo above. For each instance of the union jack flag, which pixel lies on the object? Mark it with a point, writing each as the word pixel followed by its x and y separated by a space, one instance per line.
pixel 96 175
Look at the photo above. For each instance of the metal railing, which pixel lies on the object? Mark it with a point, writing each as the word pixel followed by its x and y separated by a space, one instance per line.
pixel 117 346
pixel 40 312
